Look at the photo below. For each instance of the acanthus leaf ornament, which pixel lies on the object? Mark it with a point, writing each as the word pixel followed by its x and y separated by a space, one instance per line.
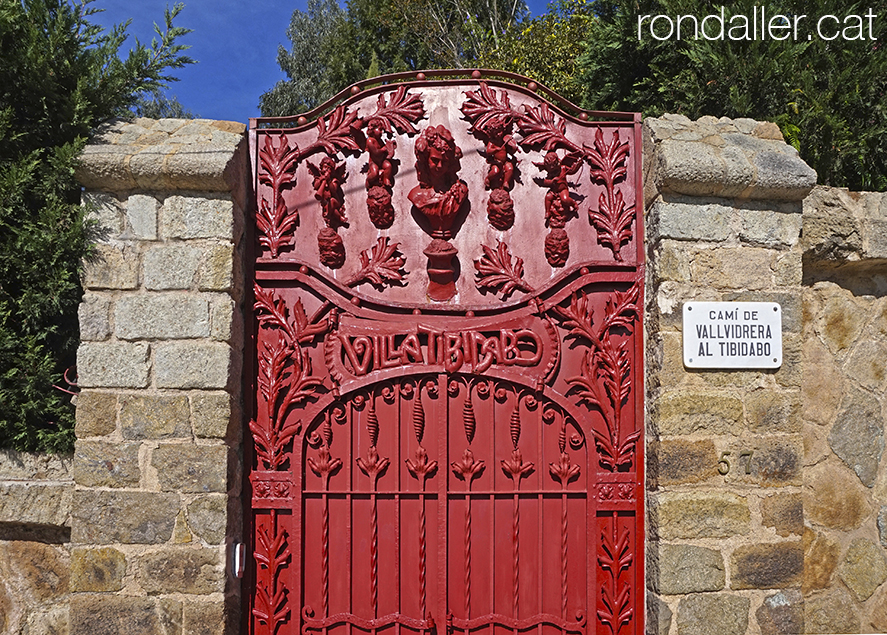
pixel 616 556
pixel 401 112
pixel 278 163
pixel 614 219
pixel 496 271
pixel 384 265
pixel 272 553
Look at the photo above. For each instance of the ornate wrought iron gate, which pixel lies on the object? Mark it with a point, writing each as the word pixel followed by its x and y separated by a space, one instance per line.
pixel 447 426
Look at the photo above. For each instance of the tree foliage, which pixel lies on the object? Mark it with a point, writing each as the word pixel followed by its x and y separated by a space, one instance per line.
pixel 545 48
pixel 828 97
pixel 156 105
pixel 332 47
pixel 60 77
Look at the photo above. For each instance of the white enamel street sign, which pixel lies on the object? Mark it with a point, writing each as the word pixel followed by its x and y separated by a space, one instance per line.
pixel 732 335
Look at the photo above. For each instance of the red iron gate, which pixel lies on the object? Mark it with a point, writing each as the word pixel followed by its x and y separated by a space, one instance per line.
pixel 448 414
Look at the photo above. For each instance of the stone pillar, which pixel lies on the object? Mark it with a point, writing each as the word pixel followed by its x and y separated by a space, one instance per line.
pixel 724 215
pixel 158 460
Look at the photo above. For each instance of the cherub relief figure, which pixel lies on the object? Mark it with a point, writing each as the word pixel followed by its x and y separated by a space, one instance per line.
pixel 559 204
pixel 499 151
pixel 440 194
pixel 381 167
pixel 328 179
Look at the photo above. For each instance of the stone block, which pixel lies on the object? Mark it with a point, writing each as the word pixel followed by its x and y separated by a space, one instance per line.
pixel 105 167
pixel 93 315
pixel 52 620
pixel 113 365
pixel 790 374
pixel 874 242
pixel 208 518
pixel 41 466
pixel 732 268
pixel 866 365
pixel 689 412
pixel 197 217
pixel 101 464
pixel 154 416
pixel 141 217
pixel 161 316
pixel 211 414
pixel 704 220
pixel 205 618
pixel 823 383
pixel 831 612
pixel 768 412
pixel 713 614
pixel 672 262
pixel 102 517
pixel 767 566
pixel 36 570
pixel 216 271
pixel 197 571
pixel 658 616
pixel 35 503
pixel 191 468
pixel 107 213
pixel 171 266
pixel 834 498
pixel 125 615
pixel 770 228
pixel 667 370
pixel 788 270
pixel 96 414
pixel 791 303
pixel 687 569
pixel 206 365
pixel 857 436
pixel 821 556
pixel 781 613
pixel 878 614
pixel 679 461
pixel 777 462
pixel 97 570
pixel 702 514
pixel 882 526
pixel 210 170
pixel 864 568
pixel 114 267
pixel 840 322
pixel 783 512
pixel 781 175
pixel 227 322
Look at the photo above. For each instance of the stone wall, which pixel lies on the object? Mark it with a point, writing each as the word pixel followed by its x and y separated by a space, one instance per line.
pixel 787 541
pixel 35 518
pixel 844 410
pixel 157 466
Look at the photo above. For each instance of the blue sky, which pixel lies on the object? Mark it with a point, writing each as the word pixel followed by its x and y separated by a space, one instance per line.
pixel 234 41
